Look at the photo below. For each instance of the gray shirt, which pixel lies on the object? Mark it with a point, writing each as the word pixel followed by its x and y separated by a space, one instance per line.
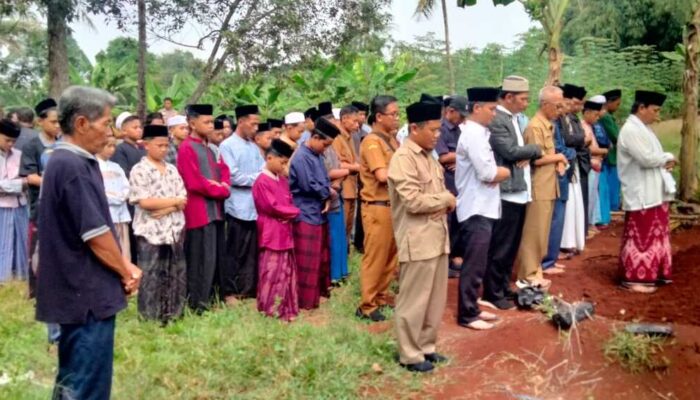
pixel 25 136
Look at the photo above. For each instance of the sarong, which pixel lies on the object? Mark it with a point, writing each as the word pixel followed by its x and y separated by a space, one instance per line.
pixel 645 255
pixel 604 195
pixel 163 289
pixel 277 284
pixel 574 236
pixel 14 232
pixel 311 252
pixel 338 244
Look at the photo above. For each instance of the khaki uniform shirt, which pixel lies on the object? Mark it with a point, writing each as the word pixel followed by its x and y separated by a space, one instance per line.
pixel 545 185
pixel 346 153
pixel 375 153
pixel 419 200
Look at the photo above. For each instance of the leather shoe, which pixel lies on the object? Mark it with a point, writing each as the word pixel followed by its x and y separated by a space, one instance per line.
pixel 374 316
pixel 435 358
pixel 425 366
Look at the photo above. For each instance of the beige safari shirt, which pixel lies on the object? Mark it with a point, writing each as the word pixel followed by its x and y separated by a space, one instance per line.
pixel 419 200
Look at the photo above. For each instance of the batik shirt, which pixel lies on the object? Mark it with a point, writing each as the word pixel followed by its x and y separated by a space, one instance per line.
pixel 147 182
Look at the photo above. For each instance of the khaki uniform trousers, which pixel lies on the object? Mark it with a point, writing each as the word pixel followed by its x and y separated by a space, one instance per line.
pixel 380 259
pixel 419 307
pixel 349 209
pixel 535 239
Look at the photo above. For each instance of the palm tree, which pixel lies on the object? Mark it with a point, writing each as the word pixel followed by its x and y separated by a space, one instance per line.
pixel 141 88
pixel 58 14
pixel 550 13
pixel 425 8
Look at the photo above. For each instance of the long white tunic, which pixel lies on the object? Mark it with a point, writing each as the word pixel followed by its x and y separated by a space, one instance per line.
pixel 640 166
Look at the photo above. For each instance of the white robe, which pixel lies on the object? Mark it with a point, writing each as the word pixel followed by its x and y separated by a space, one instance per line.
pixel 574 235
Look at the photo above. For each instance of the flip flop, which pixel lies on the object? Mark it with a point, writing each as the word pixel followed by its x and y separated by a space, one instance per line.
pixel 479 325
pixel 488 317
pixel 638 288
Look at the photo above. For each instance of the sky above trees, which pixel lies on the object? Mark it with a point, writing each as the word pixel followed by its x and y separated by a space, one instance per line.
pixel 475 27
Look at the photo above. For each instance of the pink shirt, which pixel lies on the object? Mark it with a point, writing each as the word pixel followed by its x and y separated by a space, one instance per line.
pixel 11 185
pixel 276 211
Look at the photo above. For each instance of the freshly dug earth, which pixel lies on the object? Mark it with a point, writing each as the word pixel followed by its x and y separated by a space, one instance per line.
pixel 525 357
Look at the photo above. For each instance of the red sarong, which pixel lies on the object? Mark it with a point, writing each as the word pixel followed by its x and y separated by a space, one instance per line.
pixel 645 256
pixel 277 284
pixel 313 267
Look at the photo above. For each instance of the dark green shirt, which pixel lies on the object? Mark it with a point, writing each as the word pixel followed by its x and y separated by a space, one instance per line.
pixel 613 132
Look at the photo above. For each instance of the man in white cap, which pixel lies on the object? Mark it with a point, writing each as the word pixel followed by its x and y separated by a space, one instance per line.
pixel 178 130
pixel 293 128
pixel 510 151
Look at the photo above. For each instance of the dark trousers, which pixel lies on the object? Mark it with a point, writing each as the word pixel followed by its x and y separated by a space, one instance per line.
pixel 240 273
pixel 456 242
pixel 583 178
pixel 358 239
pixel 85 357
pixel 204 253
pixel 476 232
pixel 555 233
pixel 505 241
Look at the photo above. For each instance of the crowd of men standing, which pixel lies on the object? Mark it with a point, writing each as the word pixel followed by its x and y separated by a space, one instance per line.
pixel 229 207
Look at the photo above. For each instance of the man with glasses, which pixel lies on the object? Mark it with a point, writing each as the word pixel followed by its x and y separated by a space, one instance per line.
pixel 545 189
pixel 379 260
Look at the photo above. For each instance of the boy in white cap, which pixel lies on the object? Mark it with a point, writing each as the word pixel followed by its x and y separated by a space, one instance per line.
pixel 178 131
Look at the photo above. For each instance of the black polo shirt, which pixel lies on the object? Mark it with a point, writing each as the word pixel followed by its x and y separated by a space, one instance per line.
pixel 71 281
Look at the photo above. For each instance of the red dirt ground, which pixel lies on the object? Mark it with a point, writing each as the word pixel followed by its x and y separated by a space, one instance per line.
pixel 526 358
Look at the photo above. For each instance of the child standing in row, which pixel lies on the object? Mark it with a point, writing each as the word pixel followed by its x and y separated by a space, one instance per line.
pixel 159 196
pixel 277 269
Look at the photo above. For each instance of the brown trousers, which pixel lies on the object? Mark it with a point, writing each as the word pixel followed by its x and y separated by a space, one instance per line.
pixel 349 209
pixel 535 239
pixel 419 307
pixel 380 259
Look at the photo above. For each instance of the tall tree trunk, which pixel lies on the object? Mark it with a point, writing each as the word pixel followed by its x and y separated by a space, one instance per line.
pixel 689 132
pixel 556 57
pixel 57 12
pixel 141 109
pixel 448 53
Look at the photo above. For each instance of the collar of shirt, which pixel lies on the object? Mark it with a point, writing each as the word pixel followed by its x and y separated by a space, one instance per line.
pixel 544 121
pixel 75 149
pixel 414 147
pixel 476 127
pixel 270 174
pixel 449 125
pixel 45 141
pixel 6 154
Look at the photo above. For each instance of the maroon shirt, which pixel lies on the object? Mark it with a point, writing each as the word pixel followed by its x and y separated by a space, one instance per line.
pixel 276 212
pixel 197 165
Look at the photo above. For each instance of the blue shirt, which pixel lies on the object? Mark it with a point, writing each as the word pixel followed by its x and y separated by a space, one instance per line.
pixel 309 184
pixel 570 154
pixel 245 163
pixel 447 143
pixel 73 210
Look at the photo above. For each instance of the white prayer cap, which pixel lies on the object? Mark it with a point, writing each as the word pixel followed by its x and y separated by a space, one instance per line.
pixel 336 113
pixel 514 83
pixel 598 99
pixel 294 118
pixel 120 119
pixel 177 120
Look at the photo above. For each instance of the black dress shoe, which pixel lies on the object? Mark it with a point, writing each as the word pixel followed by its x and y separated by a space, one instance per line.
pixel 374 316
pixel 435 358
pixel 425 366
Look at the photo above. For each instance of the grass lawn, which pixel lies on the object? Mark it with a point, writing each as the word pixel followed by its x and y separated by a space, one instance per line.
pixel 224 354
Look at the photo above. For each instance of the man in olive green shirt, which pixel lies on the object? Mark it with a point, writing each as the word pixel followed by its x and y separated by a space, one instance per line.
pixel 613 98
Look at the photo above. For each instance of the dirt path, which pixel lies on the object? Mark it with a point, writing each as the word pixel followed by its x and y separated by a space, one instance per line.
pixel 526 358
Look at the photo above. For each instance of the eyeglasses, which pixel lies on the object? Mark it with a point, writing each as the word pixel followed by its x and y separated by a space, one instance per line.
pixel 395 114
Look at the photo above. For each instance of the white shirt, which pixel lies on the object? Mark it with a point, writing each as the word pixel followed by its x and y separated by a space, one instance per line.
pixel 525 196
pixel 640 164
pixel 476 169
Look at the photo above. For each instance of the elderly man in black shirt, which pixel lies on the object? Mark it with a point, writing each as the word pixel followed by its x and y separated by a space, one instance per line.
pixel 84 278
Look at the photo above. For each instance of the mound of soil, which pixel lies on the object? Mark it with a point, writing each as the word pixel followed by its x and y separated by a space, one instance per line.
pixel 525 357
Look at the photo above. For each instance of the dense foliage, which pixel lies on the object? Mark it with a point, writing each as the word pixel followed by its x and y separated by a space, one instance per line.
pixel 406 70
